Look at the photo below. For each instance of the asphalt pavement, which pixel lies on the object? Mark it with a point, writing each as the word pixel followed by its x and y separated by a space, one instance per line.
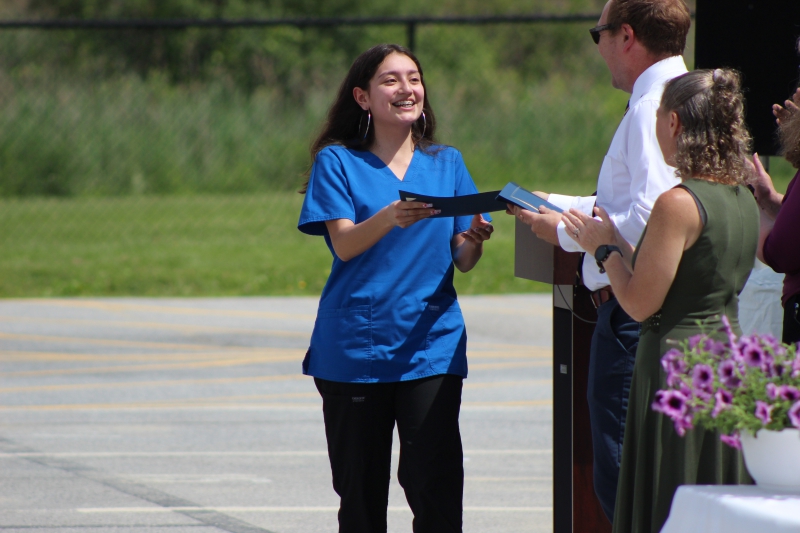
pixel 192 415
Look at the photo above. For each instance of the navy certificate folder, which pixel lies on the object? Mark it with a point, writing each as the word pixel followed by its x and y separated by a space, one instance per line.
pixel 457 206
pixel 514 194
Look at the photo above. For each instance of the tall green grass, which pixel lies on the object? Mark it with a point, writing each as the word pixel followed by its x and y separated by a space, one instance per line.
pixel 126 136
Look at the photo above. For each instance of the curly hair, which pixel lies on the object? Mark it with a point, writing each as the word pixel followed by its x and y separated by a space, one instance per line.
pixel 789 133
pixel 713 142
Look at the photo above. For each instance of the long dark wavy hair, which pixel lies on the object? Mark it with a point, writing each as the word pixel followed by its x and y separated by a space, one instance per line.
pixel 346 120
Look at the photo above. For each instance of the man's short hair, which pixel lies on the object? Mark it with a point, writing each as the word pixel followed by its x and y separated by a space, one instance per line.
pixel 661 25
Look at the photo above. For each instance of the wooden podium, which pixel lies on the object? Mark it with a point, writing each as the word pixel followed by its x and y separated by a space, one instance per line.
pixel 575 506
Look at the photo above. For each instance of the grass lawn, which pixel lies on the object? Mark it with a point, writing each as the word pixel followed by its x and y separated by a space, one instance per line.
pixel 187 246
pixel 203 246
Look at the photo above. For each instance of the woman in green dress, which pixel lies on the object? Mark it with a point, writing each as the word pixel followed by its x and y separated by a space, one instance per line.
pixel 691 264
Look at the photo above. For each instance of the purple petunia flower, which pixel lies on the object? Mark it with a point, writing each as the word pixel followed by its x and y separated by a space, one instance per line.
pixel 772 391
pixel 787 392
pixel 685 390
pixel 673 361
pixel 703 377
pixel 728 330
pixel 796 366
pixel 701 394
pixel 732 440
pixel 794 414
pixel 774 370
pixel 724 400
pixel 670 402
pixel 764 412
pixel 752 353
pixel 673 378
pixel 717 348
pixel 727 374
pixel 683 423
pixel 694 340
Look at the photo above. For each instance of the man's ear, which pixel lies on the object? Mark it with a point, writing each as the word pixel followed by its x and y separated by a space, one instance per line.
pixel 362 98
pixel 628 36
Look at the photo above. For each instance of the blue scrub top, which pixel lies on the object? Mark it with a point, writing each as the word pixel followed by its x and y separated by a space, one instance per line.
pixel 389 314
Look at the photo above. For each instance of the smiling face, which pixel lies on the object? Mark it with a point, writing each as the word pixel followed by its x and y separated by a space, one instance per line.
pixel 395 95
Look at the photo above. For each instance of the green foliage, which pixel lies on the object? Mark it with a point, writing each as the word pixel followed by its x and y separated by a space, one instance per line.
pixel 290 60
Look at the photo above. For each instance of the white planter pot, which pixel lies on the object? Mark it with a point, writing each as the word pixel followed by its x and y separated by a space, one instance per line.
pixel 773 458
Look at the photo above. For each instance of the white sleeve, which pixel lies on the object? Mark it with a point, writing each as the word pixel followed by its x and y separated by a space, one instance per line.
pixel 650 175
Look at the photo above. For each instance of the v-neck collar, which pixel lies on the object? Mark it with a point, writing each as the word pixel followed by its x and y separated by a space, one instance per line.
pixel 388 171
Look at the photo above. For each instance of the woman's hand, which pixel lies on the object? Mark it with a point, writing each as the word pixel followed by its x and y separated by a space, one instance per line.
pixel 467 246
pixel 404 214
pixel 350 240
pixel 768 199
pixel 791 107
pixel 479 230
pixel 590 232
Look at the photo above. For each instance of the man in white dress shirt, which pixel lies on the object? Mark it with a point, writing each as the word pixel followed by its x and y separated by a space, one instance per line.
pixel 641 41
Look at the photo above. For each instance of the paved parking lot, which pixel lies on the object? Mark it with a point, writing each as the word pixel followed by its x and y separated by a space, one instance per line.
pixel 191 415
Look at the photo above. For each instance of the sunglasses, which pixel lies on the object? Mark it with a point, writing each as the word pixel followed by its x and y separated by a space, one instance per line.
pixel 595 32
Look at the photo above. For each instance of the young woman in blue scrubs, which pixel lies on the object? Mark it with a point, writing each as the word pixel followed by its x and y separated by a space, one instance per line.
pixel 389 344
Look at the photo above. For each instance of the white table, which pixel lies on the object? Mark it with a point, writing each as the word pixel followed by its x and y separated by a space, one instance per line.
pixel 732 509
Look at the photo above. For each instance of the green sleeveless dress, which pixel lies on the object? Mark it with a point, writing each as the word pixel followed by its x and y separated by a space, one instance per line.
pixel 710 276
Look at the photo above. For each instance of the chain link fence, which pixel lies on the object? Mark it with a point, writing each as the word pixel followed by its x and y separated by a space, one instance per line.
pixel 164 157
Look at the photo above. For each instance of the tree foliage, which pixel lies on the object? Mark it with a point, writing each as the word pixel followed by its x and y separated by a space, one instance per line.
pixel 292 61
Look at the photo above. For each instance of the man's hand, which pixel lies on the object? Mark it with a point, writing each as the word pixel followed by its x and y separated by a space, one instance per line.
pixel 543 223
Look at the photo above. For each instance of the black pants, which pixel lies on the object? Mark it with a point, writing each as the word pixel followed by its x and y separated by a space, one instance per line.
pixel 359 420
pixel 791 320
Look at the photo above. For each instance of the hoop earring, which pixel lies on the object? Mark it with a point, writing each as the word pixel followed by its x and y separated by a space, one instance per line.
pixel 369 120
pixel 424 125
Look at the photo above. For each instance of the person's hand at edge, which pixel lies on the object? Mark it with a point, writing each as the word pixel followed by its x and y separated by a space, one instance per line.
pixel 790 106
pixel 768 199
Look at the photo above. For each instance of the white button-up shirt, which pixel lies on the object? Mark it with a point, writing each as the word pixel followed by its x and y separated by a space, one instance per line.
pixel 633 173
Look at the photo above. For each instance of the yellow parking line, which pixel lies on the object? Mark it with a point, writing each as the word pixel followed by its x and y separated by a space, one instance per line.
pixel 134 405
pixel 212 405
pixel 507 354
pixel 515 403
pixel 188 328
pixel 476 345
pixel 178 402
pixel 166 309
pixel 162 383
pixel 537 311
pixel 113 342
pixel 489 385
pixel 297 356
pixel 490 366
pixel 69 357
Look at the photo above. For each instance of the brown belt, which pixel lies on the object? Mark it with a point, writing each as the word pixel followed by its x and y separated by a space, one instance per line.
pixel 602 295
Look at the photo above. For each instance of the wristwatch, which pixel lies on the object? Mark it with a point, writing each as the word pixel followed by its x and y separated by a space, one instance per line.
pixel 602 253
